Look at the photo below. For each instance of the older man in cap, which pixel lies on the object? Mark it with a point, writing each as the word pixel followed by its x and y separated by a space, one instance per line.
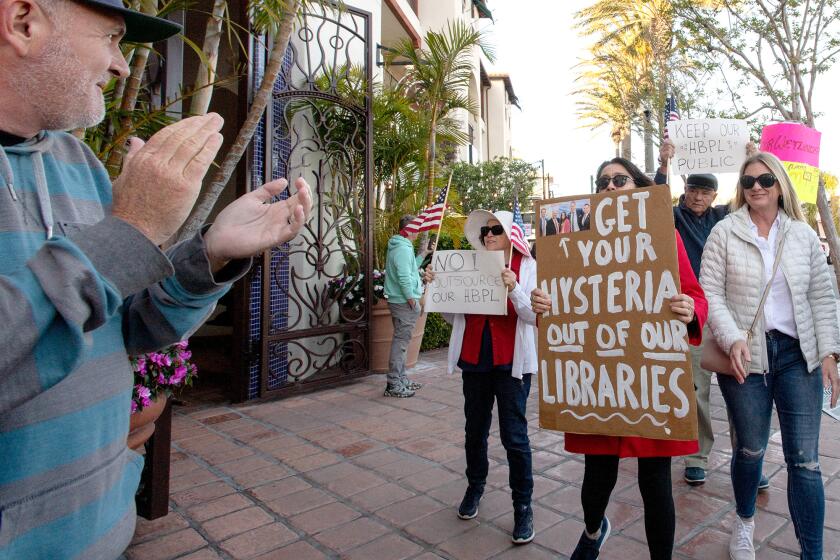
pixel 695 217
pixel 82 281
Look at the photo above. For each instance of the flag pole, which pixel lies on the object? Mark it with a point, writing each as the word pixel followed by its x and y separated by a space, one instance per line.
pixel 440 225
pixel 516 199
pixel 442 214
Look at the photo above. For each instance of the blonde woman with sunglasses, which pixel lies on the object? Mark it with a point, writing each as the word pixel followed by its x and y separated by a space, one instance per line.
pixel 791 353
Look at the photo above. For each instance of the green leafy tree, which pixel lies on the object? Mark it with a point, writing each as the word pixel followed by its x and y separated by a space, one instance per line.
pixel 491 185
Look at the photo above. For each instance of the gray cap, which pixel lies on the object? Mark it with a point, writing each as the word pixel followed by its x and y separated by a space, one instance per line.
pixel 702 181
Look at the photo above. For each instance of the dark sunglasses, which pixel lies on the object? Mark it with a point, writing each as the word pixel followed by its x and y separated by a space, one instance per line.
pixel 496 230
pixel 619 181
pixel 766 180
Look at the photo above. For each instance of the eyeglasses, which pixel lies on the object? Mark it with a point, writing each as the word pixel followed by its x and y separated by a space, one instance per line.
pixel 766 180
pixel 619 181
pixel 495 230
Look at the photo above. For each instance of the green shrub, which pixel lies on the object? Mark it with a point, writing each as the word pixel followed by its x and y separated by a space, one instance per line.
pixel 436 333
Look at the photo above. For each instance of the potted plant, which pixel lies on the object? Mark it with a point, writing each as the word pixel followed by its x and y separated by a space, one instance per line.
pixel 157 375
pixel 349 292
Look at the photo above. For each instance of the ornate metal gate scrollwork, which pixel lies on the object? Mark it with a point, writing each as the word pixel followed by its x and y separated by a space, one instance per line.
pixel 314 300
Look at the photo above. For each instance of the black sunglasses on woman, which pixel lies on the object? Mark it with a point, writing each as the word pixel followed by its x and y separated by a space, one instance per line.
pixel 765 180
pixel 495 230
pixel 619 181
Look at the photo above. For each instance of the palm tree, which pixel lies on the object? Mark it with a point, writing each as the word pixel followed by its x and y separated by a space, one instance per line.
pixel 635 41
pixel 614 84
pixel 439 78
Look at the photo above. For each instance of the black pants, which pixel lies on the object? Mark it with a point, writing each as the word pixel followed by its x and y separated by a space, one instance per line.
pixel 481 389
pixel 655 484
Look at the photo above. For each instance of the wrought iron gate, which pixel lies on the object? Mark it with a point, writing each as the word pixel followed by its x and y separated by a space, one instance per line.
pixel 309 299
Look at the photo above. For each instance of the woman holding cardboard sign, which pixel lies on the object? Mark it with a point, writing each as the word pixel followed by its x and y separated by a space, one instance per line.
pixel 773 311
pixel 603 452
pixel 498 356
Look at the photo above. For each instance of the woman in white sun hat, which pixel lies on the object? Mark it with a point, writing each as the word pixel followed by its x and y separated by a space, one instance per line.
pixel 497 355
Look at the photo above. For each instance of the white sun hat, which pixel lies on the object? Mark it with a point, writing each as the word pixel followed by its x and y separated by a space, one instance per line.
pixel 478 219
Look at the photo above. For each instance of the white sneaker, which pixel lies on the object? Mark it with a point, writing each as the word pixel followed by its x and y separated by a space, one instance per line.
pixel 741 543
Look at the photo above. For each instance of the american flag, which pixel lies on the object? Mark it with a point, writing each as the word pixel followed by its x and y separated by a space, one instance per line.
pixel 517 230
pixel 431 217
pixel 672 113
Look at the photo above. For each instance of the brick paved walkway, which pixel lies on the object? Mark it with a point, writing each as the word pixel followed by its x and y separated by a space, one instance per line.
pixel 347 473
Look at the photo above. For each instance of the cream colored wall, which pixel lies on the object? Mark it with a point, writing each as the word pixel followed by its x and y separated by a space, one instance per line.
pixel 498 122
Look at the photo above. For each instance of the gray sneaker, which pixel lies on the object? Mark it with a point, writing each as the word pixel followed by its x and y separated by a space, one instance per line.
pixel 399 391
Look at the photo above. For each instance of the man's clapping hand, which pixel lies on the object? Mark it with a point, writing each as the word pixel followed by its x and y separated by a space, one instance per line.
pixel 161 178
pixel 250 224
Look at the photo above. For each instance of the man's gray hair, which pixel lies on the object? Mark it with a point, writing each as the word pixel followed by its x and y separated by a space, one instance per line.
pixel 56 11
pixel 405 220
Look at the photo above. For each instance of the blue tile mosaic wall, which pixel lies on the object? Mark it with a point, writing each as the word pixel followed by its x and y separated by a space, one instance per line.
pixel 279 304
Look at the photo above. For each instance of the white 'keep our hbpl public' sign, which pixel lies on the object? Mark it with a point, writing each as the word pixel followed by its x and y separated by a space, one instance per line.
pixel 708 145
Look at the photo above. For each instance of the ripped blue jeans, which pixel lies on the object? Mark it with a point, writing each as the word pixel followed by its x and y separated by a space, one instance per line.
pixel 797 394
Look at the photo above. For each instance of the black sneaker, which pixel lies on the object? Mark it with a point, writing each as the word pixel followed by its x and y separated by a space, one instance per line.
pixel 523 525
pixel 413 385
pixel 469 505
pixel 588 549
pixel 399 391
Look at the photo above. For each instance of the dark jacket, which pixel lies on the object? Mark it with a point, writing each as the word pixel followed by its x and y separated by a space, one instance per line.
pixel 695 229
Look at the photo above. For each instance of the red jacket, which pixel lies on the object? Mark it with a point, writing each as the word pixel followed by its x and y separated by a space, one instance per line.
pixel 645 447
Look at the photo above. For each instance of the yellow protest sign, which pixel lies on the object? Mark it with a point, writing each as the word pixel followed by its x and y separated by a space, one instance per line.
pixel 805 179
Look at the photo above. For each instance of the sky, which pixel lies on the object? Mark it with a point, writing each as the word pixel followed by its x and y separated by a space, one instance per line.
pixel 539 48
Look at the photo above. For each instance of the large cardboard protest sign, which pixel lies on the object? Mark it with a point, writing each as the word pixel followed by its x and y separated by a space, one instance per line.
pixel 799 149
pixel 467 282
pixel 708 146
pixel 612 356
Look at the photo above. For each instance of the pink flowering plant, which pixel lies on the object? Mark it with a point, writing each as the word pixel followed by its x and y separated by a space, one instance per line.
pixel 349 291
pixel 161 373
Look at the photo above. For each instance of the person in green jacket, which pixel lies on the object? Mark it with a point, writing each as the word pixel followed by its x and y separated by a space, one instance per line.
pixel 403 289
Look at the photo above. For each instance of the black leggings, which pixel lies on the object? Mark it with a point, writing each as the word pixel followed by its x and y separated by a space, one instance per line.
pixel 655 484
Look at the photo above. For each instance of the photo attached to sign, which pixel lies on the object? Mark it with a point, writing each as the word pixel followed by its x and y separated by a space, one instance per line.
pixel 569 216
pixel 467 282
pixel 613 357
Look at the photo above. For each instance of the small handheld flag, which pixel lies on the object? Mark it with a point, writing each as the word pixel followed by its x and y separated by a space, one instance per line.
pixel 672 113
pixel 431 217
pixel 517 230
